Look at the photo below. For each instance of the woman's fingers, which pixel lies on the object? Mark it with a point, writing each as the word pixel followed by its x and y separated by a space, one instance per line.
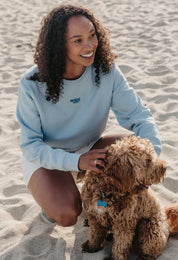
pixel 99 163
pixel 100 153
pixel 93 160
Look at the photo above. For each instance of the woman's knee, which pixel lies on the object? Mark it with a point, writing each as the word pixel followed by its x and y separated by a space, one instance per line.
pixel 65 212
pixel 67 218
pixel 57 194
pixel 67 215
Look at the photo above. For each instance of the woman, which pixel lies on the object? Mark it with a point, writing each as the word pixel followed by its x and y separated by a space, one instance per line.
pixel 63 106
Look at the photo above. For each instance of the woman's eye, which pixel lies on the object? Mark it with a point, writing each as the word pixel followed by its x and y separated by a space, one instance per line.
pixel 78 41
pixel 93 34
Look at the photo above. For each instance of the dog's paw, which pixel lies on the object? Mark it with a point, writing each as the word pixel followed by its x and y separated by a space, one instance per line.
pixel 86 247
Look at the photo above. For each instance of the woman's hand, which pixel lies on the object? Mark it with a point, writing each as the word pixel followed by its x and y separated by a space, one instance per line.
pixel 93 160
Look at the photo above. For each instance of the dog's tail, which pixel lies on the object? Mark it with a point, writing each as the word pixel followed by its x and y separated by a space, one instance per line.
pixel 172 218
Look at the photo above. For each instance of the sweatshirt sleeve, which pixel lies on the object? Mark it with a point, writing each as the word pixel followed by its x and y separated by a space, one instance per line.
pixel 131 113
pixel 31 140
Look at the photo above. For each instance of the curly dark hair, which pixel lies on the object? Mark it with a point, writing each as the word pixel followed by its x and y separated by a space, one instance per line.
pixel 50 54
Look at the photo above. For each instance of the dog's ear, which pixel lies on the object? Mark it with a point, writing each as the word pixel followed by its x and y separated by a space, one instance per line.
pixel 120 169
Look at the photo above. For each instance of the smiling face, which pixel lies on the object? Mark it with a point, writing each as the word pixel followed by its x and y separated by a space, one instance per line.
pixel 81 45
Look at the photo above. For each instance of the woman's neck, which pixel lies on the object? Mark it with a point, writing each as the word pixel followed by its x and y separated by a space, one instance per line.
pixel 73 73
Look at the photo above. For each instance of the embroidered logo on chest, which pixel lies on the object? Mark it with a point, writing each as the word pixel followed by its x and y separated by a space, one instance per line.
pixel 75 100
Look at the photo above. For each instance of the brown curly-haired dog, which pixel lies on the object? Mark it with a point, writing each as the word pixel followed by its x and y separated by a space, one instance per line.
pixel 120 201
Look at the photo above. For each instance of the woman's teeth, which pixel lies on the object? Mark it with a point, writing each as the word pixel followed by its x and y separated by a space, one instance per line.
pixel 87 55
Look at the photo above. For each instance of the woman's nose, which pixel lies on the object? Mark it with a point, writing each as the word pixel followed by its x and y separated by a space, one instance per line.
pixel 88 46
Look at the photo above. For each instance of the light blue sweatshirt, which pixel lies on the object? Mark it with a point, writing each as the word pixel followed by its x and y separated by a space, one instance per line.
pixel 51 133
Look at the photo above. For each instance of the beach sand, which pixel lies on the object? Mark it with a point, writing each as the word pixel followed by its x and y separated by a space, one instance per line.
pixel 145 35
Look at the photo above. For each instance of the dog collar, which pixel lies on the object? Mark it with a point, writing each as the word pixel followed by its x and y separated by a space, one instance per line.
pixel 101 202
pixel 104 195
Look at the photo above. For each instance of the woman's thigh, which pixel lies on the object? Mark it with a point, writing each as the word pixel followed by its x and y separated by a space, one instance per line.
pixel 108 140
pixel 57 193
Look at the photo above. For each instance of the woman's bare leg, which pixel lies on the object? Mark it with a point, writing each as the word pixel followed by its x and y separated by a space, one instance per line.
pixel 58 195
pixel 108 140
pixel 56 192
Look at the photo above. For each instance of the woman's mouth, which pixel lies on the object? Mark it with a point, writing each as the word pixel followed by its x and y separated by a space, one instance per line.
pixel 89 55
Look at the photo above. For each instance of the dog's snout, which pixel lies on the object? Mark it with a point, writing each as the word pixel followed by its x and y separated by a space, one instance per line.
pixel 164 168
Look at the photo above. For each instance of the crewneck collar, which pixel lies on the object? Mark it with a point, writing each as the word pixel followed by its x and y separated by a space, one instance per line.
pixel 75 81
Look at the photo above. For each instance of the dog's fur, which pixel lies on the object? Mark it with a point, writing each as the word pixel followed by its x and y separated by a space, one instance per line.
pixel 133 213
pixel 172 218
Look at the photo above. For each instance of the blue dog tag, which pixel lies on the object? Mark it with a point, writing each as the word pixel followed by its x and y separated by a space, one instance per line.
pixel 102 203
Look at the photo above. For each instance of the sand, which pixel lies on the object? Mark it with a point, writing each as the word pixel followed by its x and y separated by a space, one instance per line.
pixel 145 35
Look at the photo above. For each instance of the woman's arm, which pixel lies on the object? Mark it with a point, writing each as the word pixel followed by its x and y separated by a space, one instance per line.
pixel 131 113
pixel 31 141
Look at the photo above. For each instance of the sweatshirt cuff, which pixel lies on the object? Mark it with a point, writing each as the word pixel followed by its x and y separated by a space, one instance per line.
pixel 70 162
